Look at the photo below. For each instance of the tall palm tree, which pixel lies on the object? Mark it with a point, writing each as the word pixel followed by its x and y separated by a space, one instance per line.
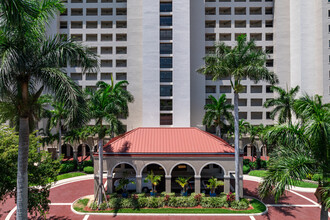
pixel 242 61
pixel 217 112
pixel 106 105
pixel 301 149
pixel 29 59
pixel 284 104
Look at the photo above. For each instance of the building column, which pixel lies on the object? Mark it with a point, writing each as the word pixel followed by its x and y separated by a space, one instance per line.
pixel 109 184
pixel 83 150
pixel 75 155
pixel 197 184
pixel 58 154
pixel 96 185
pixel 138 183
pixel 226 186
pixel 168 179
pixel 249 151
pixel 68 150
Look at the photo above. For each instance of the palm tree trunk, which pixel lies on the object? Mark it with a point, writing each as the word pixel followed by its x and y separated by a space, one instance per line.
pixel 324 213
pixel 100 198
pixel 59 139
pixel 237 150
pixel 22 169
pixel 219 130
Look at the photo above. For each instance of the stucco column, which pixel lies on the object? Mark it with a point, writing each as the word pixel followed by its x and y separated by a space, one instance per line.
pixel 109 184
pixel 68 151
pixel 168 179
pixel 138 183
pixel 58 154
pixel 197 184
pixel 241 186
pixel 75 155
pixel 96 184
pixel 226 186
pixel 249 149
pixel 83 150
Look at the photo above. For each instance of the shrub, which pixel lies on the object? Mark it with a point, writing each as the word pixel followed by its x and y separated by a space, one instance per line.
pixel 182 201
pixel 213 202
pixel 114 203
pixel 129 203
pixel 194 194
pixel 246 169
pixel 309 176
pixel 93 206
pixel 253 165
pixel 230 197
pixel 317 177
pixel 154 202
pixel 139 195
pixel 103 206
pixel 142 202
pixel 197 198
pixel 242 204
pixel 246 162
pixel 87 163
pixel 163 194
pixel 263 164
pixel 172 202
pixel 89 170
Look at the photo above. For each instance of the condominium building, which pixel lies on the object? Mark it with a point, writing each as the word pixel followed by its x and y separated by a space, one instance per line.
pixel 157 46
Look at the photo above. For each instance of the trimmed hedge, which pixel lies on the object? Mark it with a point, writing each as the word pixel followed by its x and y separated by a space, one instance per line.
pixel 140 201
pixel 246 169
pixel 89 170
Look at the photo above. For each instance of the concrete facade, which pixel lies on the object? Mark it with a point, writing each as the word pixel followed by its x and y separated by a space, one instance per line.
pixel 126 34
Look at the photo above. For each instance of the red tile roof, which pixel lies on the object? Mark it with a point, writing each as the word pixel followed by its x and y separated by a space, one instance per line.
pixel 169 141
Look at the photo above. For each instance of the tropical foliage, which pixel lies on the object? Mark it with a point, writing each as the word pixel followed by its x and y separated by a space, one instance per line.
pixel 217 113
pixel 183 182
pixel 214 183
pixel 154 180
pixel 299 149
pixel 242 61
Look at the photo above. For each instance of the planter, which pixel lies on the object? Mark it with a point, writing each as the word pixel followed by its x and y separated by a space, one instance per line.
pixel 153 193
pixel 213 194
pixel 124 195
pixel 184 193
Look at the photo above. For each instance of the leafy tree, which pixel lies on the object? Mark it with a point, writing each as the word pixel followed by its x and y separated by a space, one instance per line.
pixel 42 170
pixel 214 183
pixel 29 59
pixel 242 61
pixel 183 182
pixel 217 112
pixel 283 104
pixel 154 180
pixel 300 149
pixel 106 105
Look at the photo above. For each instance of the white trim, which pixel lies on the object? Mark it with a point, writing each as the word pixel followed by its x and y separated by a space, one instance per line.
pixel 111 173
pixel 185 163
pixel 304 197
pixel 159 164
pixel 86 217
pixel 203 166
pixel 252 218
pixel 11 213
pixel 288 205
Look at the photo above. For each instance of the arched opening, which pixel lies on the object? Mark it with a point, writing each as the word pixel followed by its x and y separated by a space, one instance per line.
pixel 124 170
pixel 67 151
pixel 95 149
pixel 83 152
pixel 250 152
pixel 157 170
pixel 208 171
pixel 185 171
pixel 245 150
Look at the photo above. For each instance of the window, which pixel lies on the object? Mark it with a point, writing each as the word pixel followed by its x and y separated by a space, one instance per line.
pixel 91 1
pixel 165 34
pixel 225 11
pixel 256 102
pixel 166 21
pixel 166 105
pixel 91 76
pixel 121 24
pixel 63 24
pixel 165 76
pixel 121 76
pixel 76 76
pixel 242 102
pixel 269 63
pixel 121 63
pixel 242 115
pixel 256 115
pixel 106 24
pixel 91 11
pixel 106 37
pixel 240 11
pixel 106 11
pixel 240 24
pixel 269 89
pixel 270 50
pixel 93 49
pixel 64 13
pixel 165 7
pixel 106 76
pixel 255 11
pixel 76 37
pixel 121 11
pixel 256 89
pixel 209 24
pixel 165 48
pixel 91 24
pixel 269 24
pixel 269 11
pixel 269 36
pixel 256 37
pixel 91 37
pixel 106 63
pixel 166 62
pixel 121 50
pixel 225 24
pixel 165 90
pixel 225 89
pixel 210 11
pixel 256 24
pixel 268 115
pixel 210 89
pixel 225 37
pixel 76 24
pixel 106 50
pixel 76 12
pixel 209 37
pixel 121 37
pixel 166 119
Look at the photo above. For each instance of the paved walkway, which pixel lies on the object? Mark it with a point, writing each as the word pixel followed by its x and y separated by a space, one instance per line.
pixel 295 205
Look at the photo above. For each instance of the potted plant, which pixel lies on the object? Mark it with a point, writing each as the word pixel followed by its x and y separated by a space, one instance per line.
pixel 183 182
pixel 123 182
pixel 214 183
pixel 154 180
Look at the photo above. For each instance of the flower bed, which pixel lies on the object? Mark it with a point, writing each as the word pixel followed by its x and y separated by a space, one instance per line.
pixel 169 203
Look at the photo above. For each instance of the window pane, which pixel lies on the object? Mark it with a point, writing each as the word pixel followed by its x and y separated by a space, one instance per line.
pixel 166 90
pixel 166 105
pixel 166 62
pixel 166 21
pixel 165 48
pixel 165 34
pixel 165 7
pixel 166 119
pixel 165 76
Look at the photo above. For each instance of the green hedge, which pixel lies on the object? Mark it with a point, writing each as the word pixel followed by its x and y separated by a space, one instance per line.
pixel 140 201
pixel 89 170
pixel 246 169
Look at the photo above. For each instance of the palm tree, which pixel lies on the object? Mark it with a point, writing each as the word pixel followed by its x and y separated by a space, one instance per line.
pixel 154 180
pixel 284 104
pixel 301 149
pixel 183 182
pixel 253 131
pixel 58 114
pixel 30 59
pixel 106 105
pixel 242 61
pixel 217 112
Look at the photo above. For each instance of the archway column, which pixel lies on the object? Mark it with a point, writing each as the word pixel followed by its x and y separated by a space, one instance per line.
pixel 138 183
pixel 197 184
pixel 109 184
pixel 226 186
pixel 168 179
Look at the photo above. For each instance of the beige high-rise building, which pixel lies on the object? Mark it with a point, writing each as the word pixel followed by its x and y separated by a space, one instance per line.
pixel 157 45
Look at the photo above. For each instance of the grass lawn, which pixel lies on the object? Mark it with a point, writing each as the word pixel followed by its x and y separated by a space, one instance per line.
pixel 258 208
pixel 69 175
pixel 262 173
